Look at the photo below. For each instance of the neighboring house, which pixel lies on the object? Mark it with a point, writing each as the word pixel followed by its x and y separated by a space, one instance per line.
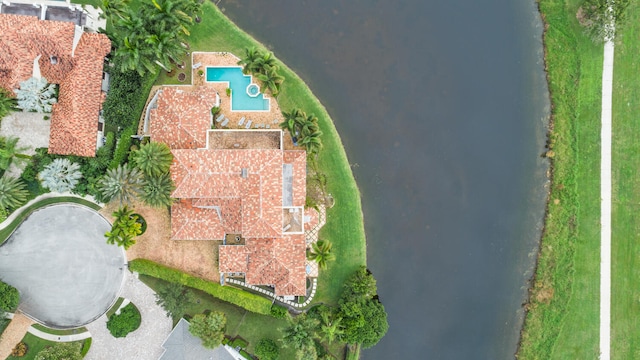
pixel 181 345
pixel 239 186
pixel 67 56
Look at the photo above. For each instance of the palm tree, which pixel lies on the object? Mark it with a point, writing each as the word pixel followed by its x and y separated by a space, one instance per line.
pixel 248 62
pixel 307 125
pixel 321 253
pixel 154 158
pixel 7 103
pixel 165 48
pixel 291 120
pixel 264 62
pixel 300 332
pixel 13 192
pixel 330 327
pixel 156 190
pixel 113 8
pixel 312 143
pixel 9 151
pixel 270 80
pixel 122 183
pixel 168 16
pixel 125 228
pixel 60 176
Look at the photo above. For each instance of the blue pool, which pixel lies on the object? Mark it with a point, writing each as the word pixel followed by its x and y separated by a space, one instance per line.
pixel 245 96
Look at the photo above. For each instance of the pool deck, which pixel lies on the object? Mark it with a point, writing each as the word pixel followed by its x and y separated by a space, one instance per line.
pixel 272 117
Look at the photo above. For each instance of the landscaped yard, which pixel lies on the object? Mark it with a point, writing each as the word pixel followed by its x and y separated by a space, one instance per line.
pixel 35 344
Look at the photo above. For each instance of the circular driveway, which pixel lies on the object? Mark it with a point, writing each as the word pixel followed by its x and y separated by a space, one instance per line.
pixel 60 262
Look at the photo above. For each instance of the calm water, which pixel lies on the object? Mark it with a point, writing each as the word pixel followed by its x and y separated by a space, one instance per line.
pixel 242 96
pixel 442 107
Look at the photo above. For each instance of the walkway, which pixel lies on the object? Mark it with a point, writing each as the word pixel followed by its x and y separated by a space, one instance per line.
pixel 13 334
pixel 58 338
pixel 605 205
pixel 143 344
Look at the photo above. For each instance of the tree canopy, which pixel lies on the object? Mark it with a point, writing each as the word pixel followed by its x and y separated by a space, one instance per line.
pixel 209 328
pixel 599 17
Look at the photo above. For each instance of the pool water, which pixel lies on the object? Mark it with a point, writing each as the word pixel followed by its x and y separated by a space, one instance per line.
pixel 241 87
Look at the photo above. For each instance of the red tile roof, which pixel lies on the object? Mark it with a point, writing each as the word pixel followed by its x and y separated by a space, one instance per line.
pixel 74 119
pixel 182 118
pixel 278 262
pixel 214 198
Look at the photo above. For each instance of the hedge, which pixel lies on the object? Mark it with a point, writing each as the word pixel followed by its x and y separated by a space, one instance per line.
pixel 244 299
pixel 9 297
pixel 122 149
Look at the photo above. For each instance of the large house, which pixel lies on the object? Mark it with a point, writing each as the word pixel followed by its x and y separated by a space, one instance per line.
pixel 238 186
pixel 64 54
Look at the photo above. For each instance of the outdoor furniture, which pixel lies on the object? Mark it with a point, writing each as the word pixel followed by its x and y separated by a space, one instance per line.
pixel 248 124
pixel 196 65
pixel 219 118
pixel 268 126
pixel 241 122
pixel 225 122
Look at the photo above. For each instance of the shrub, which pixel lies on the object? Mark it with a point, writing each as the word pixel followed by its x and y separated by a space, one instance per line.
pixel 239 342
pixel 246 354
pixel 9 297
pixel 58 351
pixel 19 350
pixel 143 223
pixel 215 110
pixel 209 328
pixel 126 98
pixel 278 312
pixel 36 95
pixel 244 299
pixel 267 349
pixel 86 345
pixel 60 176
pixel 122 149
pixel 228 91
pixel 128 320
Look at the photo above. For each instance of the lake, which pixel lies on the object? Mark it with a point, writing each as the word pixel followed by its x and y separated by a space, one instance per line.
pixel 443 109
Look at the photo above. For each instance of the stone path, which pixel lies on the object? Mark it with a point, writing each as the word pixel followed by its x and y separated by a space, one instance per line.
pixel 605 205
pixel 13 334
pixel 143 344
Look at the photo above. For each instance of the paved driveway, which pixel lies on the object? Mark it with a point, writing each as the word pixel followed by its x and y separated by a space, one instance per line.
pixel 65 271
pixel 143 344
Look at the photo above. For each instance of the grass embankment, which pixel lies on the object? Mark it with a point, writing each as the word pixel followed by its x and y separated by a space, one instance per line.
pixel 35 345
pixel 344 228
pixel 25 212
pixel 563 317
pixel 625 292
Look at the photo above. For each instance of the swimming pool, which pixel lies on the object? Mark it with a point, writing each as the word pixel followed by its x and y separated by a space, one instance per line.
pixel 245 96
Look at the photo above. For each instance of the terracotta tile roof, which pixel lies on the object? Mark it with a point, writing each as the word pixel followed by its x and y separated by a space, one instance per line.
pixel 207 174
pixel 278 262
pixel 182 118
pixel 74 119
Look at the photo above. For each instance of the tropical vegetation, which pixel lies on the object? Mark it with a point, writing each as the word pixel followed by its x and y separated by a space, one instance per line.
pixel 36 94
pixel 13 192
pixel 61 175
pixel 126 321
pixel 597 16
pixel 300 334
pixel 264 67
pixel 153 158
pixel 123 184
pixel 125 229
pixel 267 349
pixel 7 103
pixel 304 130
pixel 10 152
pixel 321 253
pixel 209 328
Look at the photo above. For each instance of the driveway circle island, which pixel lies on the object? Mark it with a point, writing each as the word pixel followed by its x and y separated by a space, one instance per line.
pixel 58 259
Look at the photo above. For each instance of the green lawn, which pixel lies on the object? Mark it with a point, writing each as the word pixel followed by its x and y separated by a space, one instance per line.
pixel 34 345
pixel 625 274
pixel 563 317
pixel 59 332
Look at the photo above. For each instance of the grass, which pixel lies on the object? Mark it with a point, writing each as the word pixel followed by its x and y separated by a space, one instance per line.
pixel 240 322
pixel 625 292
pixel 35 345
pixel 25 212
pixel 344 228
pixel 59 332
pixel 563 311
pixel 115 307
